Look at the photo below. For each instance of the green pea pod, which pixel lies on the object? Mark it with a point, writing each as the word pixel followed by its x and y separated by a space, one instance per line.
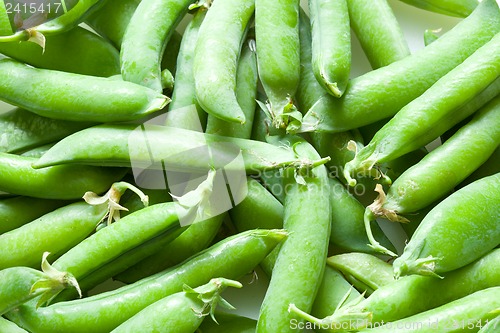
pixel 378 32
pixel 368 271
pixel 184 110
pixel 148 145
pixel 415 294
pixel 76 51
pixel 381 93
pixel 60 24
pixel 20 284
pixel 118 238
pixel 21 130
pixel 467 313
pixel 59 182
pixel 331 45
pixel 7 326
pixel 443 168
pixel 38 90
pixel 196 238
pixel 309 233
pixel 216 57
pixel 433 111
pixel 231 258
pixel 145 39
pixel 278 55
pixel 308 92
pixel 228 323
pixel 246 91
pixel 17 211
pixel 55 232
pixel 458 8
pixel 468 219
pixel 111 20
pixel 180 312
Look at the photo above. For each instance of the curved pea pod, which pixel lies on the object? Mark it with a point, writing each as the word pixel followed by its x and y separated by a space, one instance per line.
pixel 459 8
pixel 308 92
pixel 17 211
pixel 331 44
pixel 434 111
pixel 381 93
pixel 39 91
pixel 65 22
pixel 309 233
pixel 59 182
pixel 216 58
pixel 231 258
pixel 228 323
pixel 246 92
pixel 7 326
pixel 414 294
pixel 468 219
pixel 56 232
pixel 148 145
pixel 278 56
pixel 20 284
pixel 467 313
pixel 112 19
pixel 378 32
pixel 184 111
pixel 21 130
pixel 146 36
pixel 444 167
pixel 180 312
pixel 76 51
pixel 366 272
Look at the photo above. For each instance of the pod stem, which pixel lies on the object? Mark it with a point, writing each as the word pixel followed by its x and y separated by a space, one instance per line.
pixel 378 209
pixel 54 282
pixel 368 217
pixel 209 295
pixel 421 266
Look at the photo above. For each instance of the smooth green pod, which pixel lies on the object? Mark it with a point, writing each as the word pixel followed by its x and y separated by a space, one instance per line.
pixel 378 32
pixel 145 39
pixel 39 91
pixel 331 44
pixel 59 182
pixel 216 58
pixel 468 219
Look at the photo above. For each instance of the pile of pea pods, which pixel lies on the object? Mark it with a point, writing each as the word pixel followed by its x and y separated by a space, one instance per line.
pixel 158 152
